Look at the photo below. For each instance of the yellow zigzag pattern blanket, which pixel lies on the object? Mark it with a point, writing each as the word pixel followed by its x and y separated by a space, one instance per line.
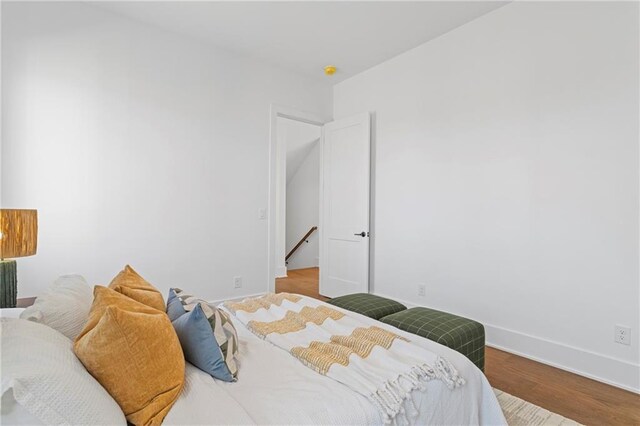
pixel 379 364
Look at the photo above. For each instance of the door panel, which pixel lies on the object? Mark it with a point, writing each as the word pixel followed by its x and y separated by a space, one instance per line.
pixel 344 256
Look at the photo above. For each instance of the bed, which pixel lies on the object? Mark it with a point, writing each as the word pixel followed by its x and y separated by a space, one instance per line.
pixel 272 387
pixel 276 388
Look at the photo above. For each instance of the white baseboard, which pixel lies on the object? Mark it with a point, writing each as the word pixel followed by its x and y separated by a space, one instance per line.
pixel 603 368
pixel 235 299
pixel 600 367
pixel 281 272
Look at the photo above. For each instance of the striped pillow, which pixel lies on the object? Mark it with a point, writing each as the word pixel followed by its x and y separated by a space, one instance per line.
pixel 199 345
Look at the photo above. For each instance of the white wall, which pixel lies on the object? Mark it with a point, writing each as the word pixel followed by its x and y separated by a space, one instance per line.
pixel 138 146
pixel 300 139
pixel 507 179
pixel 303 210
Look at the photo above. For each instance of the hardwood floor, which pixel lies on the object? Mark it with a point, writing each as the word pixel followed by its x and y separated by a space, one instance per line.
pixel 301 281
pixel 583 400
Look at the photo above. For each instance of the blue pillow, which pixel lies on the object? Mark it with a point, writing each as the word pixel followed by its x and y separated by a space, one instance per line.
pixel 199 344
pixel 175 309
pixel 207 335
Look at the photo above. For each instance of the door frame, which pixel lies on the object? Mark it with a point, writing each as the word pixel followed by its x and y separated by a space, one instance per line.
pixel 276 111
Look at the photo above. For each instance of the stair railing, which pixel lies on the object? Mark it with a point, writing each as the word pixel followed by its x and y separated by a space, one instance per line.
pixel 302 240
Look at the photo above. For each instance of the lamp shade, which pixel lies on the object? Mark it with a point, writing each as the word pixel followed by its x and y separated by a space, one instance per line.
pixel 18 233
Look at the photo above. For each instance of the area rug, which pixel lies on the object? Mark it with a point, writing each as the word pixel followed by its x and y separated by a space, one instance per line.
pixel 519 412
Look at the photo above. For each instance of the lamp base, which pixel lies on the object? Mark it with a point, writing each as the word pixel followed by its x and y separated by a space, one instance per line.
pixel 8 284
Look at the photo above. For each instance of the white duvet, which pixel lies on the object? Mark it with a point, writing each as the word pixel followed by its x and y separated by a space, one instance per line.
pixel 273 387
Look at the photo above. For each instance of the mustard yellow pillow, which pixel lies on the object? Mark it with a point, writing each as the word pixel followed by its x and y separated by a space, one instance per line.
pixel 134 352
pixel 131 284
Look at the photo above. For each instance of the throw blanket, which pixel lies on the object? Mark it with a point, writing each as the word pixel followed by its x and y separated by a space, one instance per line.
pixel 379 364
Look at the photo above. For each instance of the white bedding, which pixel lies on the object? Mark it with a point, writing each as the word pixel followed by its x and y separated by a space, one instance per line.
pixel 275 388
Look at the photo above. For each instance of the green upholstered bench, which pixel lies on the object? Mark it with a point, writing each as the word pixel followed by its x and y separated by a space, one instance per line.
pixel 368 305
pixel 460 334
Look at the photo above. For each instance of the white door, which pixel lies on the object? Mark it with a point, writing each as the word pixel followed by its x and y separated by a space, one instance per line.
pixel 344 215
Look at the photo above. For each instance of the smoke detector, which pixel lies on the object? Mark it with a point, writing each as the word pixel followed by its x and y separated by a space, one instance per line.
pixel 330 70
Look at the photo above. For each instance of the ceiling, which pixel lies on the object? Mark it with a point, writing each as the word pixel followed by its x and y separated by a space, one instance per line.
pixel 303 37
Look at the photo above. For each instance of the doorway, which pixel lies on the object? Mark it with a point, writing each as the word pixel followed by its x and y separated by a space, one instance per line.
pixel 294 200
pixel 328 224
pixel 297 215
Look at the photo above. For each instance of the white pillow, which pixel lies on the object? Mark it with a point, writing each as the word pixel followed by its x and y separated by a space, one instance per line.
pixel 64 306
pixel 11 312
pixel 46 378
pixel 14 414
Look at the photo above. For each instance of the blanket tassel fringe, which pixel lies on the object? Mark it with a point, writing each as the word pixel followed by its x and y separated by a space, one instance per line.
pixel 390 400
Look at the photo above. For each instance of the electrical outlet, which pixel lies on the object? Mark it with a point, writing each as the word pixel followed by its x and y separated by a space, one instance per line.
pixel 262 213
pixel 422 290
pixel 237 282
pixel 622 335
